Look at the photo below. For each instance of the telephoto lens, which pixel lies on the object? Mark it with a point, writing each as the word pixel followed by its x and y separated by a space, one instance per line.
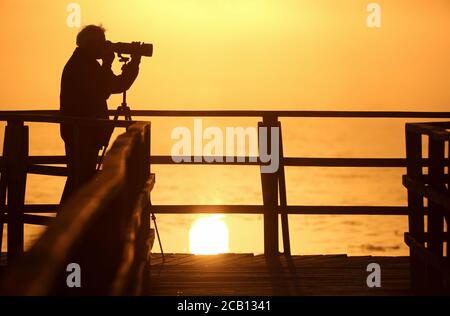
pixel 133 49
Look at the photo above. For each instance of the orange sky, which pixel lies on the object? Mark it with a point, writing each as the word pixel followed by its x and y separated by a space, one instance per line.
pixel 231 54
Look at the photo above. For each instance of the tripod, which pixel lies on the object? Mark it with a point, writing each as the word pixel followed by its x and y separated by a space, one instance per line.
pixel 122 110
pixel 125 111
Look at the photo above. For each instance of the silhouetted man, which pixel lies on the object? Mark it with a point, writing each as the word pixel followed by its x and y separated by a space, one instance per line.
pixel 85 87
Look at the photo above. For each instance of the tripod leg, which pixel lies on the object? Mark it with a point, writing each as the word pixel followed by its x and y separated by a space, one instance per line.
pixel 3 186
pixel 127 114
pixel 159 239
pixel 99 164
pixel 118 113
pixel 116 117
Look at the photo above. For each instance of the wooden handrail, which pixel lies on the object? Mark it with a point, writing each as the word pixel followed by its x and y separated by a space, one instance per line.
pixel 252 209
pixel 56 118
pixel 288 113
pixel 35 115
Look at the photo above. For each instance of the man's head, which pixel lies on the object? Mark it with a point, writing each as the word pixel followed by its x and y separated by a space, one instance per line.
pixel 92 40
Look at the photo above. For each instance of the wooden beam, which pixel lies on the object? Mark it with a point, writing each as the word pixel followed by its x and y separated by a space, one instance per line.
pixel 47 170
pixel 35 219
pixel 293 161
pixel 290 209
pixel 269 183
pixel 16 153
pixel 283 196
pixel 415 203
pixel 422 190
pixel 46 114
pixel 280 114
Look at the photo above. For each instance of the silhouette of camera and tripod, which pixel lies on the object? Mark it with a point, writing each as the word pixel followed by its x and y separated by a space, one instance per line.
pixel 125 111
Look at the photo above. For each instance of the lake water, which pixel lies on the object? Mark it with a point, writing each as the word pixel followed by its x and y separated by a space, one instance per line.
pixel 305 137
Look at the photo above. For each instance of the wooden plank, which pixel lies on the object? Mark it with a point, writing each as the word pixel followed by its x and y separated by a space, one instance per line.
pixel 47 170
pixel 40 208
pixel 423 190
pixel 346 210
pixel 47 160
pixel 207 209
pixel 435 218
pixel 283 198
pixel 269 183
pixel 249 161
pixel 16 152
pixel 289 161
pixel 38 219
pixel 34 219
pixel 21 117
pixel 291 209
pixel 203 275
pixel 415 202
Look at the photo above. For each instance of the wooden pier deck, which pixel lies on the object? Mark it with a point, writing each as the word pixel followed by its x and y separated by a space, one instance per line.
pixel 249 275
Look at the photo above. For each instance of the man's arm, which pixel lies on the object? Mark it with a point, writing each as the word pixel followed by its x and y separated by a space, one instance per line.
pixel 122 82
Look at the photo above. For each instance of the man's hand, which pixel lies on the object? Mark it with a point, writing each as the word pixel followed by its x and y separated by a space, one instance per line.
pixel 108 56
pixel 136 58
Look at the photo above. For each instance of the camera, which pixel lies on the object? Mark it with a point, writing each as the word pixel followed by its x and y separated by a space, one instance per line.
pixel 133 49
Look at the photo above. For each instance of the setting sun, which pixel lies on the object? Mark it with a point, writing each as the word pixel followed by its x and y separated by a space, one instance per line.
pixel 209 236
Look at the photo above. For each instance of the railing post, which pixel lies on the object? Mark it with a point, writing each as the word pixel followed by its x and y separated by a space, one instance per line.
pixel 435 223
pixel 16 155
pixel 269 183
pixel 147 150
pixel 144 240
pixel 283 198
pixel 415 205
pixel 447 216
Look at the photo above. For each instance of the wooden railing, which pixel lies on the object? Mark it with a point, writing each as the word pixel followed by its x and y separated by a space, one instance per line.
pixel 16 164
pixel 275 204
pixel 430 265
pixel 104 227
